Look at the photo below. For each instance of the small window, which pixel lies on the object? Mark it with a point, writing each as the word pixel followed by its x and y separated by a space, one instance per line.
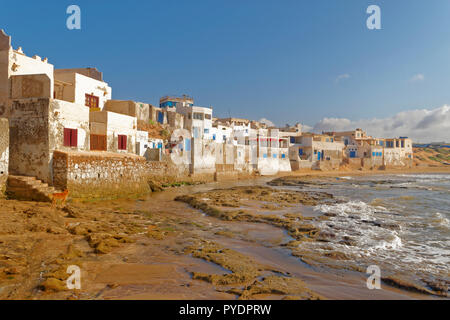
pixel 91 101
pixel 197 116
pixel 70 137
pixel 122 142
pixel 207 116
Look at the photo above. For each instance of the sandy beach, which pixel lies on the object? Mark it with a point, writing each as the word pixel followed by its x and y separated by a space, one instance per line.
pixel 201 246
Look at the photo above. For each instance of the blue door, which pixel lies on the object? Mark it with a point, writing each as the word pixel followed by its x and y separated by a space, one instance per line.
pixel 160 117
pixel 318 155
pixel 352 154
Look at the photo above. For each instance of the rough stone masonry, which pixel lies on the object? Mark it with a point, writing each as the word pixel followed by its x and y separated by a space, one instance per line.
pixel 4 153
pixel 100 174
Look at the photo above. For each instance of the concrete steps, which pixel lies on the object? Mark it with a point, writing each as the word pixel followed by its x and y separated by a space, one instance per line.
pixel 28 189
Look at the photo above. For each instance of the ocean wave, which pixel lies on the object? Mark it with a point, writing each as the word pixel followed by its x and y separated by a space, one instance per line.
pixel 404 230
pixel 345 209
pixel 394 244
pixel 439 219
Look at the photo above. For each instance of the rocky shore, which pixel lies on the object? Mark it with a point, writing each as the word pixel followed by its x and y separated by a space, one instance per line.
pixel 235 240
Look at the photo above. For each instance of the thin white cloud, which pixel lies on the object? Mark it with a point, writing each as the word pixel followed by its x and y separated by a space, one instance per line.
pixel 341 77
pixel 267 122
pixel 420 125
pixel 417 77
pixel 306 128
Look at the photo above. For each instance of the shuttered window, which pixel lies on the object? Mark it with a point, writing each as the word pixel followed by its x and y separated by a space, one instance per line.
pixel 70 137
pixel 122 142
pixel 91 101
pixel 98 142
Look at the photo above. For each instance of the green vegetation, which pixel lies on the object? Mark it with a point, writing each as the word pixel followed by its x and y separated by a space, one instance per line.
pixel 438 154
pixel 177 184
pixel 165 133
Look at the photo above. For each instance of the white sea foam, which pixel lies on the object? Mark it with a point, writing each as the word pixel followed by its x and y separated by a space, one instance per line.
pixel 441 220
pixel 364 225
pixel 412 236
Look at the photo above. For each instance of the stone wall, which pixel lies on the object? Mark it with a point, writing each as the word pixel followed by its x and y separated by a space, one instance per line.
pixel 175 120
pixel 31 86
pixel 139 110
pixel 4 153
pixel 29 139
pixel 167 172
pixel 100 175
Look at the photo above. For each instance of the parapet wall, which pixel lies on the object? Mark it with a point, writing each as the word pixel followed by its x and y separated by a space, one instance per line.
pixel 100 174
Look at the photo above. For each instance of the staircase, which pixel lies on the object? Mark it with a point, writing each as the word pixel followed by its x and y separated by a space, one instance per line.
pixel 28 189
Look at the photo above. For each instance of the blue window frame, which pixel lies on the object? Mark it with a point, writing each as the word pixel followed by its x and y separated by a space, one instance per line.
pixel 300 152
pixel 187 144
pixel 265 155
pixel 214 136
pixel 274 155
pixel 292 139
pixel 283 156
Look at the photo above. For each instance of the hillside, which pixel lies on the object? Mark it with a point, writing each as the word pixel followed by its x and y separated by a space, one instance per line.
pixel 431 156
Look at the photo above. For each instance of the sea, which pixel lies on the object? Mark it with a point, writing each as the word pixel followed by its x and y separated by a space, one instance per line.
pixel 400 223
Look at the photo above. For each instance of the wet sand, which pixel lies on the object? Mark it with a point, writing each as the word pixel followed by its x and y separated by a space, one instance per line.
pixel 158 248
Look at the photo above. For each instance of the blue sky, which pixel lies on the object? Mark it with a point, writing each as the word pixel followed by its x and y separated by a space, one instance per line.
pixel 286 61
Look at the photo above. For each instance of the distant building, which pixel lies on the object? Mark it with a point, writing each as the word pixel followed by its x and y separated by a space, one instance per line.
pixel 316 151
